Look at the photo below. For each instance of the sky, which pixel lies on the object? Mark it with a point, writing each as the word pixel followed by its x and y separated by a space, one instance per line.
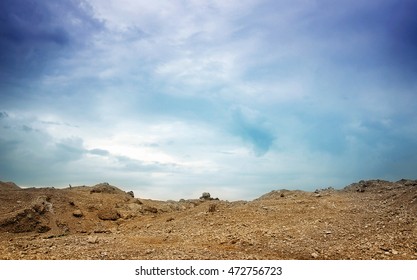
pixel 237 98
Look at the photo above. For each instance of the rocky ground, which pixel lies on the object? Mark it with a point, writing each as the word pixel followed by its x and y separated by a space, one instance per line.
pixel 366 220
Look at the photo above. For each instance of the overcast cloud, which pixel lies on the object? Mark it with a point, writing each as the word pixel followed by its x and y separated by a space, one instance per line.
pixel 173 98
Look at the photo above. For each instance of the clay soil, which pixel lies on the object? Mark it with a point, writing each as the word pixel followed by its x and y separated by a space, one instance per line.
pixel 366 220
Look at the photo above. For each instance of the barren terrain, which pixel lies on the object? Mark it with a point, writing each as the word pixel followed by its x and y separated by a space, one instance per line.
pixel 366 220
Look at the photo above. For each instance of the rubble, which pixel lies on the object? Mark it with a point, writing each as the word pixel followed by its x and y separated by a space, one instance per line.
pixel 104 222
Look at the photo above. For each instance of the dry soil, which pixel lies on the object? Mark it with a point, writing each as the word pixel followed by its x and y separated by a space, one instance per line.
pixel 366 220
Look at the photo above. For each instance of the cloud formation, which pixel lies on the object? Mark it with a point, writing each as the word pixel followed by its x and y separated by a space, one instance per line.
pixel 176 98
pixel 33 33
pixel 250 127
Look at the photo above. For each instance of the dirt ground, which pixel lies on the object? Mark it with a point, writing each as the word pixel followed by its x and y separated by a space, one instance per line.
pixel 366 220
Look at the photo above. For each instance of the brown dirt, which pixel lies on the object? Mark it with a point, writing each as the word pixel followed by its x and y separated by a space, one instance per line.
pixel 366 220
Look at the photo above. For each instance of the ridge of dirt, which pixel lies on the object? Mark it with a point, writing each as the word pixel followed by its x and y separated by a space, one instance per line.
pixel 372 219
pixel 8 186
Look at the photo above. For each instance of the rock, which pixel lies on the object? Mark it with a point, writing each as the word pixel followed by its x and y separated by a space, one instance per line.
pixel 43 229
pixel 131 194
pixel 205 196
pixel 77 213
pixel 92 239
pixel 42 205
pixel 150 209
pixel 108 214
pixel 137 201
pixel 315 255
pixel 133 207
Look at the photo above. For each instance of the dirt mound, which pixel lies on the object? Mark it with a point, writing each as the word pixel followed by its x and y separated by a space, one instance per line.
pixel 370 185
pixel 279 194
pixel 60 211
pixel 30 219
pixel 106 188
pixel 27 220
pixel 372 219
pixel 8 186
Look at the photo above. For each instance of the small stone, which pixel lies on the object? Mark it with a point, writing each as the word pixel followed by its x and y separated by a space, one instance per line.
pixel 92 239
pixel 77 213
pixel 327 232
pixel 394 252
pixel 383 248
pixel 43 229
pixel 315 255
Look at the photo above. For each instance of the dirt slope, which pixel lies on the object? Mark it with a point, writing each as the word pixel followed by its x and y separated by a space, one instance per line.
pixel 366 220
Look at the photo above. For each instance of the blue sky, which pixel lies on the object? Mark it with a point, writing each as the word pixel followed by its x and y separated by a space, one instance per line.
pixel 173 98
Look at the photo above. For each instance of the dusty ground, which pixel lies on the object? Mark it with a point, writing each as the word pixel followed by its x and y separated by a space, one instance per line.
pixel 366 220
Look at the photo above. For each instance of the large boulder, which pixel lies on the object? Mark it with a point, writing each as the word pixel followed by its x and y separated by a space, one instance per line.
pixel 108 214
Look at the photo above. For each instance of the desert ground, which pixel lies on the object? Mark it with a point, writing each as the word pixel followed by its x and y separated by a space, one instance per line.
pixel 372 219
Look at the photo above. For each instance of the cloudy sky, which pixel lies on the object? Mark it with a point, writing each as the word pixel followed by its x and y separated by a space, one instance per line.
pixel 173 98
